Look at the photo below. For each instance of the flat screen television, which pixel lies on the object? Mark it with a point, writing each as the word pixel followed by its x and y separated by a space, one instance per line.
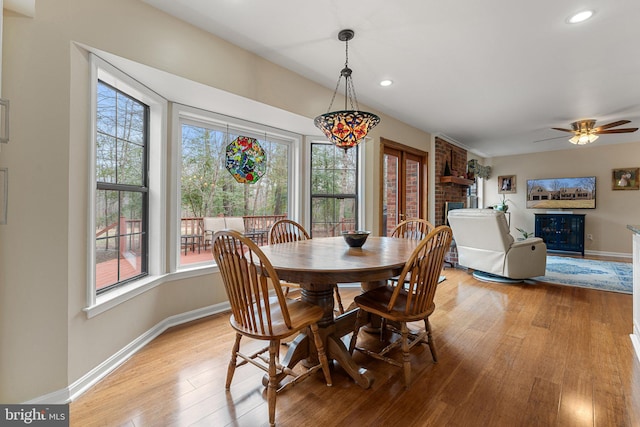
pixel 562 193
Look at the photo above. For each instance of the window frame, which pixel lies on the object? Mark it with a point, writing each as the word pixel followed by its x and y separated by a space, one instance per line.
pixel 364 151
pixel 156 178
pixel 199 117
pixel 142 188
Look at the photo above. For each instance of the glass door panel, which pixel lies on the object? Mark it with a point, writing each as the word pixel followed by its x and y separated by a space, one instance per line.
pixel 391 184
pixel 403 185
pixel 412 184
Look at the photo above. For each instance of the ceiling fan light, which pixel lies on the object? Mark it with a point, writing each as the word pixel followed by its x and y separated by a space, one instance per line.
pixel 583 138
pixel 580 17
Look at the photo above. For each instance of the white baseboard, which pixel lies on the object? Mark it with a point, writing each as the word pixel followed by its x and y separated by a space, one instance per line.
pixel 92 377
pixel 609 254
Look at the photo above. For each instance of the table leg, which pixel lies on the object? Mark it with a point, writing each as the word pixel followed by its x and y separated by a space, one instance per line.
pixel 338 351
pixel 322 296
pixel 303 350
pixel 331 331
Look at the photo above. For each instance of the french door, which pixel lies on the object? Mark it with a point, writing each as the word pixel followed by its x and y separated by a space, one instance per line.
pixel 404 185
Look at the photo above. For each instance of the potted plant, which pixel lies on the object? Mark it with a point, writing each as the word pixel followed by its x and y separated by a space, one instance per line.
pixel 502 206
pixel 525 234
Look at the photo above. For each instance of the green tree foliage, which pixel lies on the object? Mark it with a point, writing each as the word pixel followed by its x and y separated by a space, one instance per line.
pixel 119 155
pixel 333 189
pixel 208 189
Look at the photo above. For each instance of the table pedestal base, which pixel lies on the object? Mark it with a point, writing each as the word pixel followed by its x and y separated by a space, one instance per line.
pixel 331 331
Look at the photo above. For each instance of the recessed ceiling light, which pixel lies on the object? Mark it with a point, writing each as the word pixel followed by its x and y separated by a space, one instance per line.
pixel 580 17
pixel 386 82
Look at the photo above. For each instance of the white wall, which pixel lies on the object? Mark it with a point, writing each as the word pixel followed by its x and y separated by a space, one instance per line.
pixel 614 208
pixel 46 341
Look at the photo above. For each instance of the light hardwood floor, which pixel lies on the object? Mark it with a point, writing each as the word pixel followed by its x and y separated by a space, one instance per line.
pixel 509 355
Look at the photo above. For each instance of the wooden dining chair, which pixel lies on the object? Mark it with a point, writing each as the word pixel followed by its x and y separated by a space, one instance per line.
pixel 402 304
pixel 414 228
pixel 259 310
pixel 287 230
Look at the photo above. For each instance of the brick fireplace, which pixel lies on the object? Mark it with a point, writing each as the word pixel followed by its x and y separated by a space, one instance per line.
pixel 456 158
pixel 448 192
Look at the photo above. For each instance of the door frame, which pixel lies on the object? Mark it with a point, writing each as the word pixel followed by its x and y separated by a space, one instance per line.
pixel 405 149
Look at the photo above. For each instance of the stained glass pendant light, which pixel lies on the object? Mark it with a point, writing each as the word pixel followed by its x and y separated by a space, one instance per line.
pixel 346 128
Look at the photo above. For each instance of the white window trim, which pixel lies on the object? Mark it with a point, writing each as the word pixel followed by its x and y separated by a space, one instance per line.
pixel 186 114
pixel 161 193
pixel 102 70
pixel 364 148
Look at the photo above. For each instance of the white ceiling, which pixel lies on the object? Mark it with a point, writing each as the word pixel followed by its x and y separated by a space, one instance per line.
pixel 493 75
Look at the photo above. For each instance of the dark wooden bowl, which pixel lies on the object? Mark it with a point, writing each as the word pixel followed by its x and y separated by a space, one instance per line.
pixel 355 239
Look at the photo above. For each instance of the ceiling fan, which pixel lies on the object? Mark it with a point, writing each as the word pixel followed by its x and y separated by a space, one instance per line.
pixel 584 131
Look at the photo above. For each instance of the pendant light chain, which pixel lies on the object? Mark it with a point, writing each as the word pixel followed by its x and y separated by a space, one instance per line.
pixel 334 94
pixel 350 91
pixel 346 128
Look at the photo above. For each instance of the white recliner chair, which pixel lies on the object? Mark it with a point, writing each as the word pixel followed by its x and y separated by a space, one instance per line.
pixel 485 245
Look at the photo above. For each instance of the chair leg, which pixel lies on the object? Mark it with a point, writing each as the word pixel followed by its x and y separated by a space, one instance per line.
pixel 430 342
pixel 406 358
pixel 273 381
pixel 339 300
pixel 232 363
pixel 360 320
pixel 383 328
pixel 322 355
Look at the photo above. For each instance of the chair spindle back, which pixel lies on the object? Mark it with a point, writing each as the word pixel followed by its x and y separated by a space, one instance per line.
pixel 248 278
pixel 415 228
pixel 422 271
pixel 286 230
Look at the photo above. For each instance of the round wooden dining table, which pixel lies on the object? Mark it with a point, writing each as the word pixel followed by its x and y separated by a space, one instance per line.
pixel 318 265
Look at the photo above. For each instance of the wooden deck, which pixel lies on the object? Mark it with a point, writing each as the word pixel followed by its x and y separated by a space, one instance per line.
pixel 192 249
pixel 106 271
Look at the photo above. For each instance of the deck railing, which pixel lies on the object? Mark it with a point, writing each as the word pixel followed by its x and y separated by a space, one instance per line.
pixel 130 230
pixel 260 222
pixel 256 226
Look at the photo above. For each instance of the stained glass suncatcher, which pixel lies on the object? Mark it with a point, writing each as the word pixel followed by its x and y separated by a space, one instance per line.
pixel 246 160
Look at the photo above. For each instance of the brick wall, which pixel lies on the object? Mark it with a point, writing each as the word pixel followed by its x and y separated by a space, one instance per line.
pixel 448 192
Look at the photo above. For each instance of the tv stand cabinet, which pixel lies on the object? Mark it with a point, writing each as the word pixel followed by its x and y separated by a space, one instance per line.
pixel 561 232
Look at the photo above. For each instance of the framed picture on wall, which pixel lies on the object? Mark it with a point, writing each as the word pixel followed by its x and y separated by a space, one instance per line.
pixel 507 184
pixel 625 179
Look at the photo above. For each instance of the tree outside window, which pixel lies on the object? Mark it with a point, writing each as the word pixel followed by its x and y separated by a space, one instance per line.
pixel 121 216
pixel 334 195
pixel 207 189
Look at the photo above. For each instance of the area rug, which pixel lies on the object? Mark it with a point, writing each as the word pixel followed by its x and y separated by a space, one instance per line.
pixel 588 273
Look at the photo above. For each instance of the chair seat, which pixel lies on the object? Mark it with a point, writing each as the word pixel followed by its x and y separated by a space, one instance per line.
pixel 377 300
pixel 302 315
